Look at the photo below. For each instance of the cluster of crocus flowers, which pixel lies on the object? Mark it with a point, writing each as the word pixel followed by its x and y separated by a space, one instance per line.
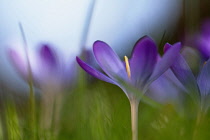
pixel 164 78
pixel 135 75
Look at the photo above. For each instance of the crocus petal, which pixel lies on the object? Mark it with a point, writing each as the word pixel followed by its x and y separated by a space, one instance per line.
pixel 18 63
pixel 143 60
pixel 109 61
pixel 95 73
pixel 166 88
pixel 204 85
pixel 167 60
pixel 48 56
pixel 183 73
pixel 204 79
pixel 47 65
pixel 166 47
pixel 204 47
pixel 201 41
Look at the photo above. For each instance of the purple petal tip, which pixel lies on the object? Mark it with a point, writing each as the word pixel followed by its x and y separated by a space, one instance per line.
pixel 166 47
pixel 48 55
pixel 99 44
pixel 78 59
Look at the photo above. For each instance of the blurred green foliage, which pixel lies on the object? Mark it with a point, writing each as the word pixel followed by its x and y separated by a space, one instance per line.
pixel 101 111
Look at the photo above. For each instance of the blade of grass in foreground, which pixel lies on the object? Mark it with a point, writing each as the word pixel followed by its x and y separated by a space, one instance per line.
pixel 12 122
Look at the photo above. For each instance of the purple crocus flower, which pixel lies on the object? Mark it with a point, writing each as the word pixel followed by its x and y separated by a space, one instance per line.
pixel 135 75
pixel 138 72
pixel 197 87
pixel 48 70
pixel 167 88
pixel 202 40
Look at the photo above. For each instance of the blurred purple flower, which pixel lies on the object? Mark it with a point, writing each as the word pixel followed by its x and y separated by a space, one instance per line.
pixel 197 87
pixel 48 69
pixel 137 73
pixel 202 40
pixel 167 88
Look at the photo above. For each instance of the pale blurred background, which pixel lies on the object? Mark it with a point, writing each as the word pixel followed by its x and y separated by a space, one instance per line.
pixel 71 25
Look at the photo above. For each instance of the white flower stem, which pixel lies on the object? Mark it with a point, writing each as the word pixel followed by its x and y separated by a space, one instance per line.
pixel 51 106
pixel 134 118
pixel 200 117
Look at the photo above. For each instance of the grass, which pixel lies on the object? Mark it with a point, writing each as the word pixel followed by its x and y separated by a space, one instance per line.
pixel 101 111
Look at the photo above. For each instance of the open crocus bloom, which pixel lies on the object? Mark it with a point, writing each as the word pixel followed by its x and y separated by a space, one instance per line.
pixel 47 68
pixel 136 73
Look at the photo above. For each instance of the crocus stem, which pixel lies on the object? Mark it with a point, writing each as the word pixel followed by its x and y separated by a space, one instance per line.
pixel 56 114
pixel 197 124
pixel 134 118
pixel 51 106
pixel 47 110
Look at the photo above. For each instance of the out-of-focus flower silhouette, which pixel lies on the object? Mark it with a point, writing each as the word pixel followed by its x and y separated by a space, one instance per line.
pixel 198 87
pixel 201 40
pixel 48 67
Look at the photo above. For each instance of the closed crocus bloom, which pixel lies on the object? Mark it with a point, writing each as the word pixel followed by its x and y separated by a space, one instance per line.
pixel 135 74
pixel 48 68
pixel 48 71
pixel 198 87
